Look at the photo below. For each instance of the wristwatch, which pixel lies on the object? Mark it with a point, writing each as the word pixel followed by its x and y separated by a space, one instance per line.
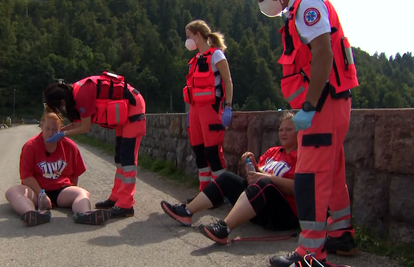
pixel 307 106
pixel 228 104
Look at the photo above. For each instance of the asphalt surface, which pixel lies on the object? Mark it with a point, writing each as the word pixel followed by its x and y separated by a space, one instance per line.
pixel 150 238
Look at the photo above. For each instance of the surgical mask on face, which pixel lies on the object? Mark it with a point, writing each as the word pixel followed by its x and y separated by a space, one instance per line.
pixel 190 44
pixel 271 8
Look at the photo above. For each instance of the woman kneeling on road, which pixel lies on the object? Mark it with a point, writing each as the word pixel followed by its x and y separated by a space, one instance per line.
pixel 265 198
pixel 54 167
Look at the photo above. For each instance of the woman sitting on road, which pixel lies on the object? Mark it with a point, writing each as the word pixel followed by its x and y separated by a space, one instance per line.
pixel 265 198
pixel 54 167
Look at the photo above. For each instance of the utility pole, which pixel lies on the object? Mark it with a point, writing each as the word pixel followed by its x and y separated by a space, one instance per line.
pixel 14 103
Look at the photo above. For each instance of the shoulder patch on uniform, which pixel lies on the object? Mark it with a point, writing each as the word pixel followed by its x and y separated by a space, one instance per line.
pixel 311 16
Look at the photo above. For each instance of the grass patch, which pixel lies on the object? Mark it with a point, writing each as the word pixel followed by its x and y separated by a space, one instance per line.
pixel 366 240
pixel 161 167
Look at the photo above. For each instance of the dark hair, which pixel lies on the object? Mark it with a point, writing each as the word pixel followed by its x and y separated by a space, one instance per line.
pixel 53 96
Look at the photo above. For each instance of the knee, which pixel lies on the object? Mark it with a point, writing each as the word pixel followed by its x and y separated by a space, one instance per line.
pixel 12 191
pixel 83 193
pixel 213 158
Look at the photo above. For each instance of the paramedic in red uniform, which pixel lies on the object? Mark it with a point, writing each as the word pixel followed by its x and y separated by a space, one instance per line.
pixel 111 102
pixel 318 74
pixel 208 86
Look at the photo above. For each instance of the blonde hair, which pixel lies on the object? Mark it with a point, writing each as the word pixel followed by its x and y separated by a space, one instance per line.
pixel 216 38
pixel 51 115
pixel 286 115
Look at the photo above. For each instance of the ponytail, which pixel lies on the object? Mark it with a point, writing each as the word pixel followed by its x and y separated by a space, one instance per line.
pixel 217 40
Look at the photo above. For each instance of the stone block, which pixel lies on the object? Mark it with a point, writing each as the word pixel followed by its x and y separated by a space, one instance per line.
pixel 401 199
pixel 394 142
pixel 370 199
pixel 359 141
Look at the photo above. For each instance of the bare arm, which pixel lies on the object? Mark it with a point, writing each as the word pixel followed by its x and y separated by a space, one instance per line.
pixel 223 68
pixel 321 66
pixel 285 185
pixel 83 127
pixel 70 126
pixel 33 184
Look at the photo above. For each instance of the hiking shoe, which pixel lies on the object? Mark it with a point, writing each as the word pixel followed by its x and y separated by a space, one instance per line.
pixel 216 232
pixel 95 217
pixel 343 245
pixel 192 198
pixel 285 261
pixel 106 204
pixel 33 218
pixel 178 212
pixel 117 212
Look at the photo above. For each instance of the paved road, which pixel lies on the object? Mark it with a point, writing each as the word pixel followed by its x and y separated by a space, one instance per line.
pixel 150 238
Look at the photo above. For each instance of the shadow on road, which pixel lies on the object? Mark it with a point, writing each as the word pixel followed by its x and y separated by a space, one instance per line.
pixel 60 224
pixel 141 233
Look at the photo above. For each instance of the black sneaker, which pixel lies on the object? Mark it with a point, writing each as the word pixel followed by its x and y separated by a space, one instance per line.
pixel 284 261
pixel 33 218
pixel 117 212
pixel 95 217
pixel 192 198
pixel 343 245
pixel 216 232
pixel 106 204
pixel 177 212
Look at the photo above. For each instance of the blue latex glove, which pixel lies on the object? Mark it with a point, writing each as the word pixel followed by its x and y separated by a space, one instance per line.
pixel 226 118
pixel 56 137
pixel 303 119
pixel 188 119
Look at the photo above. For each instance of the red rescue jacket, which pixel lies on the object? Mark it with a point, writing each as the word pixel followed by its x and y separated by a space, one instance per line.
pixel 201 88
pixel 296 59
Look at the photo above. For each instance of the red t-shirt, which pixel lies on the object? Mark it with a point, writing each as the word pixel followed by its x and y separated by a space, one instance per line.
pixel 54 171
pixel 275 161
pixel 85 99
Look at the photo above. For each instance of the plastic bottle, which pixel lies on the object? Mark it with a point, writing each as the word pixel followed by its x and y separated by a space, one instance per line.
pixel 42 201
pixel 250 166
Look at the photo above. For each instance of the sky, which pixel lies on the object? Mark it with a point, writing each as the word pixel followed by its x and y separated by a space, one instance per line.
pixel 378 25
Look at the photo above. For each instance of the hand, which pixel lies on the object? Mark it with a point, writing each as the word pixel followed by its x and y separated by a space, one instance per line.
pixel 49 203
pixel 246 155
pixel 226 117
pixel 303 119
pixel 188 119
pixel 253 176
pixel 56 137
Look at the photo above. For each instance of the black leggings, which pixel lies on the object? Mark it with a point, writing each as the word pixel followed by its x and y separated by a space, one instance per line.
pixel 271 208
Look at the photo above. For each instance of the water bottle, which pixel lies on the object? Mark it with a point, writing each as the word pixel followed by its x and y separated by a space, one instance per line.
pixel 249 166
pixel 42 201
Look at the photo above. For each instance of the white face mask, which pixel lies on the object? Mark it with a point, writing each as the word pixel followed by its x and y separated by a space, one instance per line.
pixel 271 8
pixel 190 44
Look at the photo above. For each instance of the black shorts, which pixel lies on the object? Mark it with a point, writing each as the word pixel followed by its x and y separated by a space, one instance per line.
pixel 54 194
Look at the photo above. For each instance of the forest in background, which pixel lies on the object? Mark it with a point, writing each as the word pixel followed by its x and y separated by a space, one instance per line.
pixel 143 40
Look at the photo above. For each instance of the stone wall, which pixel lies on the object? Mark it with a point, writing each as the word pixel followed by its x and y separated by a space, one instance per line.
pixel 379 151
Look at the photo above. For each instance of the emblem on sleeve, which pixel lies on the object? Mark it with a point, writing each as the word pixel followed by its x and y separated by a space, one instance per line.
pixel 311 16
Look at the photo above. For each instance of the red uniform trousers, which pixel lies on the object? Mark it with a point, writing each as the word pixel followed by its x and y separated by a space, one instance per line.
pixel 128 139
pixel 206 133
pixel 320 179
